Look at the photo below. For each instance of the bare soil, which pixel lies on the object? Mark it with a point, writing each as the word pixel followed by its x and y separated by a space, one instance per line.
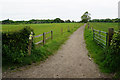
pixel 70 61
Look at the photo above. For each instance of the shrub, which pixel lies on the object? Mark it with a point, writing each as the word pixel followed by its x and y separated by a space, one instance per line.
pixel 15 45
pixel 115 43
pixel 112 54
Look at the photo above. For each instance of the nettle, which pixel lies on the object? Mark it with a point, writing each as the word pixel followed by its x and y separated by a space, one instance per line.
pixel 115 43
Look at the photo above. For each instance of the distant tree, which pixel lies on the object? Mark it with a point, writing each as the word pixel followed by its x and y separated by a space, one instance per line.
pixel 73 21
pixel 106 20
pixel 58 20
pixel 67 21
pixel 7 21
pixel 85 17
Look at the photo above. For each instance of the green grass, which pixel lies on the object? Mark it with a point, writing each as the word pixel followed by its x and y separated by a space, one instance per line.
pixel 41 53
pixel 104 26
pixel 103 57
pixel 40 28
pixel 95 51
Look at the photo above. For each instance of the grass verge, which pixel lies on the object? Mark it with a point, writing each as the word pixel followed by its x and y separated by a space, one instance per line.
pixel 106 59
pixel 95 51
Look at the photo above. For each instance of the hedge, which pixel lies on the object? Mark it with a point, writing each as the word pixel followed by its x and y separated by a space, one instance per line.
pixel 15 44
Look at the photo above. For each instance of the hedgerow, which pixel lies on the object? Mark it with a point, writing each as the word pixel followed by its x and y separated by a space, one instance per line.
pixel 112 54
pixel 15 45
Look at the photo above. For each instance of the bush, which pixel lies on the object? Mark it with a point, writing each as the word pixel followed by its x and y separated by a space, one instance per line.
pixel 115 43
pixel 112 54
pixel 15 45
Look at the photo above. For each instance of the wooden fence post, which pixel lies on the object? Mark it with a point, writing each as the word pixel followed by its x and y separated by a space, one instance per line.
pixel 44 38
pixel 61 30
pixel 72 29
pixel 99 34
pixel 106 39
pixel 68 29
pixel 30 43
pixel 110 35
pixel 93 34
pixel 92 28
pixel 88 25
pixel 51 35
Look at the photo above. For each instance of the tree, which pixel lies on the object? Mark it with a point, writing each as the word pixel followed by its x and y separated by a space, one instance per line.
pixel 85 17
pixel 73 21
pixel 58 20
pixel 7 21
pixel 67 21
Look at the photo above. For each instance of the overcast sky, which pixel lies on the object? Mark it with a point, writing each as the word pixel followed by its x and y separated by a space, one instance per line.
pixel 64 9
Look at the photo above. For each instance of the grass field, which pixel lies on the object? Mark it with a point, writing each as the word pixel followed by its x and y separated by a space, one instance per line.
pixel 40 28
pixel 104 26
pixel 41 53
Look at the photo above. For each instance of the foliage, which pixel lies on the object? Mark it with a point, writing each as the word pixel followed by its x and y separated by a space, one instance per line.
pixel 108 59
pixel 68 21
pixel 36 21
pixel 112 59
pixel 85 17
pixel 106 20
pixel 7 21
pixel 15 44
pixel 58 20
pixel 115 43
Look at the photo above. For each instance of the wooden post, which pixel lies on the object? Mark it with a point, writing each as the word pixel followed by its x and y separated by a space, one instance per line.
pixel 110 35
pixel 68 29
pixel 93 34
pixel 61 30
pixel 106 39
pixel 72 28
pixel 44 38
pixel 99 34
pixel 88 25
pixel 119 26
pixel 92 28
pixel 30 43
pixel 51 35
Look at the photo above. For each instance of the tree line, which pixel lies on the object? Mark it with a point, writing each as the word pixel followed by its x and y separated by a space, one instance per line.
pixel 106 20
pixel 37 21
pixel 86 18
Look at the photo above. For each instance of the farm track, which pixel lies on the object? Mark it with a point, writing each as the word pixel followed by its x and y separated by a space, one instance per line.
pixel 70 61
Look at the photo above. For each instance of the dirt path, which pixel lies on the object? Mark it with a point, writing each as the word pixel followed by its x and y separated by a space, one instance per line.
pixel 71 61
